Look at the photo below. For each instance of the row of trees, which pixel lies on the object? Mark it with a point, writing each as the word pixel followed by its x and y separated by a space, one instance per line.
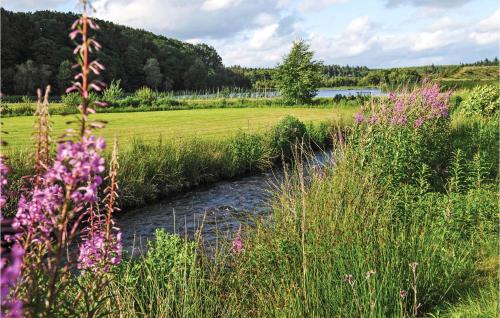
pixel 485 62
pixel 36 50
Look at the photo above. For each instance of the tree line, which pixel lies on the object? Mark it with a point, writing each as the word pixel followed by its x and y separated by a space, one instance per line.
pixel 36 51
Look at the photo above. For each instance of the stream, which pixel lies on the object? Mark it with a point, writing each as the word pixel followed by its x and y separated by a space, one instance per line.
pixel 221 208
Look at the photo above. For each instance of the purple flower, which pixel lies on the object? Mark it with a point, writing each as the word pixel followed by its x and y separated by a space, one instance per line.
pixel 373 119
pixel 423 104
pixel 4 171
pixel 10 268
pixel 419 122
pixel 392 96
pixel 399 119
pixel 359 117
pixel 399 106
pixel 98 253
pixel 237 245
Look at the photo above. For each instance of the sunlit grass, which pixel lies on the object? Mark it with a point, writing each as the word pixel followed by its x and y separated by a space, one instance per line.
pixel 204 123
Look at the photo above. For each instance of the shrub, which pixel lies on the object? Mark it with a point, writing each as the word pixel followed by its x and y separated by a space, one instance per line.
pixel 5 109
pixel 165 101
pixel 248 152
pixel 129 101
pixel 286 135
pixel 72 100
pixel 145 95
pixel 482 100
pixel 112 93
pixel 319 134
pixel 399 134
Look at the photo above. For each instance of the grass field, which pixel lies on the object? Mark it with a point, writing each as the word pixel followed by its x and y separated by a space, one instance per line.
pixel 174 124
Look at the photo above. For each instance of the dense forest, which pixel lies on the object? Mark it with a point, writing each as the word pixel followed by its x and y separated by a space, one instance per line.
pixel 36 50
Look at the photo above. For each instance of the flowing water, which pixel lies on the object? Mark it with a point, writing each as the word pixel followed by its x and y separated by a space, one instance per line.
pixel 221 208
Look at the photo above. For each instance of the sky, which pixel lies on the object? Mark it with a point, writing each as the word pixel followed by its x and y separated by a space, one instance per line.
pixel 258 33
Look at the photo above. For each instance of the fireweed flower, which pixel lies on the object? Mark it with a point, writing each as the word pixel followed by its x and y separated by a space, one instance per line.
pixel 373 119
pixel 4 171
pixel 10 265
pixel 76 169
pixel 419 122
pixel 97 252
pixel 359 117
pixel 423 103
pixel 10 268
pixel 51 213
pixel 237 244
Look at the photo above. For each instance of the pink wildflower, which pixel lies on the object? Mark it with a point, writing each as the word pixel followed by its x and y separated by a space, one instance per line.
pixel 10 265
pixel 237 245
pixel 419 122
pixel 97 252
pixel 359 117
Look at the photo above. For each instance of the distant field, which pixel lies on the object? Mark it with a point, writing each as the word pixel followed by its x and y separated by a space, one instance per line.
pixel 175 124
pixel 477 73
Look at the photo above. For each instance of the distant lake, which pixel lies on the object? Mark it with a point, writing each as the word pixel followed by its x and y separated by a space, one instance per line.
pixel 331 92
pixel 322 92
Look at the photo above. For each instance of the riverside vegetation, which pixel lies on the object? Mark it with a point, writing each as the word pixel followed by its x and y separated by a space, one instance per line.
pixel 404 224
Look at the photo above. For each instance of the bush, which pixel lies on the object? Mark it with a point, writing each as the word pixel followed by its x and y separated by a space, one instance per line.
pixel 319 135
pixel 145 95
pixel 248 152
pixel 165 101
pixel 5 109
pixel 286 135
pixel 482 100
pixel 404 131
pixel 129 101
pixel 112 93
pixel 72 100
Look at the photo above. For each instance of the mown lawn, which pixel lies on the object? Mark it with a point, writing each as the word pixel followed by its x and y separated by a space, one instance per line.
pixel 175 124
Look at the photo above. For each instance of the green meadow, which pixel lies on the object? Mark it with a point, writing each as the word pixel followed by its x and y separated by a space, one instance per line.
pixel 205 123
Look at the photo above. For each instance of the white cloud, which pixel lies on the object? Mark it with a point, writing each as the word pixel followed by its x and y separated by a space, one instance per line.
pixel 487 30
pixel 428 3
pixel 188 19
pixel 31 5
pixel 307 5
pixel 444 23
pixel 262 35
pixel 364 42
pixel 359 25
pixel 213 5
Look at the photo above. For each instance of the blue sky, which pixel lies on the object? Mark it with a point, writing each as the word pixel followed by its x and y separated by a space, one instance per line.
pixel 376 33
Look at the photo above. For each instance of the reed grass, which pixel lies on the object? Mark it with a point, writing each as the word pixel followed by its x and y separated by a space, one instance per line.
pixel 344 242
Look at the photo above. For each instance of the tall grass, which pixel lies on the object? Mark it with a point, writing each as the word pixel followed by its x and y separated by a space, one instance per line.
pixel 345 241
pixel 152 170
